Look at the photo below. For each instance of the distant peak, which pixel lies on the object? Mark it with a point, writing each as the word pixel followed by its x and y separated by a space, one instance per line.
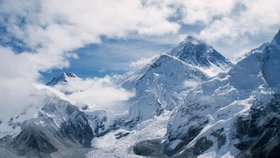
pixel 69 74
pixel 276 39
pixel 196 52
pixel 192 40
pixel 62 78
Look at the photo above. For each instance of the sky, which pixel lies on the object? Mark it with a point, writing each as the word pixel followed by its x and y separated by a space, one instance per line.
pixel 96 38
pixel 101 37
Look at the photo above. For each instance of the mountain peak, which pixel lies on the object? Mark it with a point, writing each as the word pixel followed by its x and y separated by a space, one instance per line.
pixel 192 39
pixel 196 52
pixel 69 74
pixel 276 39
pixel 62 78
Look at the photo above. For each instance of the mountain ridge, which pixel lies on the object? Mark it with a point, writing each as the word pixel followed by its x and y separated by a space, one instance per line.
pixel 161 84
pixel 230 114
pixel 178 110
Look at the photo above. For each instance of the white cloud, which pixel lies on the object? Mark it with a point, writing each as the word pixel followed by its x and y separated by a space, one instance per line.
pixel 53 27
pixel 97 93
pixel 232 26
pixel 17 76
pixel 201 11
pixel 190 84
pixel 142 62
pixel 248 24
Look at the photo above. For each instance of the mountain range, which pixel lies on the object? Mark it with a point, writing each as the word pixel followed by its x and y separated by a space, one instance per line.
pixel 190 102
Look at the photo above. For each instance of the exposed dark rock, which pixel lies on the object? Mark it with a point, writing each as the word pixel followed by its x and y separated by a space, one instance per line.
pixel 186 138
pixel 154 148
pixel 58 126
pixel 258 132
pixel 244 145
pixel 221 138
pixel 132 123
pixel 151 148
pixel 78 129
pixel 119 135
pixel 201 145
pixel 32 139
pixel 5 140
pixel 85 107
pixel 98 121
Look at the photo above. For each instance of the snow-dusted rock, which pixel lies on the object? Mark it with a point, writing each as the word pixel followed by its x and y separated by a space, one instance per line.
pixel 198 53
pixel 58 130
pixel 62 78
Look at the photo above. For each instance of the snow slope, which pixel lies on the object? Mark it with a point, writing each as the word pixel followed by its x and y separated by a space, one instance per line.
pixel 160 87
pixel 163 84
pixel 206 124
pixel 110 145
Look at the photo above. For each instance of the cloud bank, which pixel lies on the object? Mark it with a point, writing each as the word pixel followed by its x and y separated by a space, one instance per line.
pixel 96 93
pixel 17 76
pixel 51 29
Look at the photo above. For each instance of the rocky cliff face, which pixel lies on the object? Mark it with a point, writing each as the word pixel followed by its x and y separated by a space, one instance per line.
pixel 258 131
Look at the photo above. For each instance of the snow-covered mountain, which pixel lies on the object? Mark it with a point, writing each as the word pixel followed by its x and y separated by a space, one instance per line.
pixel 234 114
pixel 53 128
pixel 63 78
pixel 160 87
pixel 198 53
pixel 163 84
pixel 190 102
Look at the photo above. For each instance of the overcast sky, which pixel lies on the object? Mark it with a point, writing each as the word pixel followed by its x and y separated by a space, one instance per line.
pixel 99 37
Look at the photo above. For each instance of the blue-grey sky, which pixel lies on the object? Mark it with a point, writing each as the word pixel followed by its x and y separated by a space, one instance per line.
pixel 103 37
pixel 112 56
